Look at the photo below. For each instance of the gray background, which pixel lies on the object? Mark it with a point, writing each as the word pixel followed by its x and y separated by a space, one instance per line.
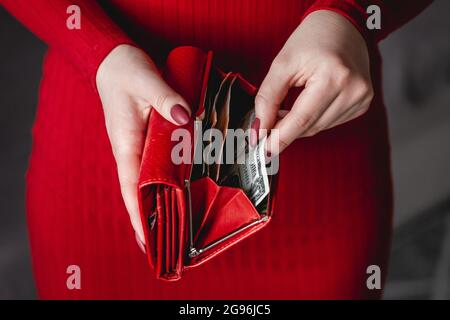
pixel 417 92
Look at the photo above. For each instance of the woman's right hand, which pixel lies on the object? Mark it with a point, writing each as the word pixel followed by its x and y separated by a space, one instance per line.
pixel 129 85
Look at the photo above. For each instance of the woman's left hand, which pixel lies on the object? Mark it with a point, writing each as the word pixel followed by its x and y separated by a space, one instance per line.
pixel 328 56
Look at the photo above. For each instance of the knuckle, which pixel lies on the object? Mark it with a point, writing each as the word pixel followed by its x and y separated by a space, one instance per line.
pixel 308 134
pixel 302 121
pixel 162 99
pixel 282 144
pixel 313 131
pixel 362 111
pixel 281 66
pixel 261 99
pixel 342 76
pixel 336 70
pixel 363 87
pixel 281 60
pixel 316 130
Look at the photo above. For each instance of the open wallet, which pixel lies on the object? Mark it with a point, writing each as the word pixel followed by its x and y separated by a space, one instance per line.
pixel 193 210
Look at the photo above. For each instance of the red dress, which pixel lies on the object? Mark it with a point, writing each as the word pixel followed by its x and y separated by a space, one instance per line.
pixel 334 213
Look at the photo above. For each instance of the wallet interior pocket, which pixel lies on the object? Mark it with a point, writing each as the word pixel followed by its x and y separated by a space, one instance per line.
pixel 168 229
pixel 221 212
pixel 159 231
pixel 164 230
pixel 226 210
pixel 174 231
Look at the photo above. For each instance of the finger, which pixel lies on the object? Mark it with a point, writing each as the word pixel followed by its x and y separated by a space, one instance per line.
pixel 335 111
pixel 351 103
pixel 127 152
pixel 270 95
pixel 354 112
pixel 347 116
pixel 255 127
pixel 165 100
pixel 330 120
pixel 128 171
pixel 307 109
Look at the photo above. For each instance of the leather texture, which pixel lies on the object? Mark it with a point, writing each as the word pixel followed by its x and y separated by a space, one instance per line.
pixel 217 211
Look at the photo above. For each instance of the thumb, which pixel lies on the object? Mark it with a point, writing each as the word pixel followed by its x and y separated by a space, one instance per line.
pixel 171 105
pixel 270 95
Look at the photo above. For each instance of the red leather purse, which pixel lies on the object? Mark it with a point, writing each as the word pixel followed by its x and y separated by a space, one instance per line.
pixel 189 218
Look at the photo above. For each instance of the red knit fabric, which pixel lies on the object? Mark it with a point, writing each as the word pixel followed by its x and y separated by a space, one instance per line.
pixel 334 211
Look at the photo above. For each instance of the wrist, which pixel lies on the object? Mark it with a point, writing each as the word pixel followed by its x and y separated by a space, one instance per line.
pixel 355 14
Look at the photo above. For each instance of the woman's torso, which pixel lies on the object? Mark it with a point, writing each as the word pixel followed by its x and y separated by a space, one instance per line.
pixel 334 200
pixel 245 35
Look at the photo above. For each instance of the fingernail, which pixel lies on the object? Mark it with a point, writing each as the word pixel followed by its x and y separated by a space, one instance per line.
pixel 254 132
pixel 139 242
pixel 268 157
pixel 179 114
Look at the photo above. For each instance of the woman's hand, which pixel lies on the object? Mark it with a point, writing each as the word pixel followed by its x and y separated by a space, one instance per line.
pixel 129 86
pixel 328 56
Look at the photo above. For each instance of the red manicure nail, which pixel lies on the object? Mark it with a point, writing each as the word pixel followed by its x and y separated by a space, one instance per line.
pixel 139 242
pixel 254 132
pixel 179 114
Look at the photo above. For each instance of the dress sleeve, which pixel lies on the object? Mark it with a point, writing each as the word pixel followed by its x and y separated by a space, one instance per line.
pixel 85 47
pixel 394 13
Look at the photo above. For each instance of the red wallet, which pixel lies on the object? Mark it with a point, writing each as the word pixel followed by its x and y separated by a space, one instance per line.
pixel 188 217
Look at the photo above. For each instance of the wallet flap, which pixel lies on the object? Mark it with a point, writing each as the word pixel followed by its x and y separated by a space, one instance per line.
pixel 186 71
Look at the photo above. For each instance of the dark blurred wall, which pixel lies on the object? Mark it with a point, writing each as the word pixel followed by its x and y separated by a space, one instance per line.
pixel 417 91
pixel 21 55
